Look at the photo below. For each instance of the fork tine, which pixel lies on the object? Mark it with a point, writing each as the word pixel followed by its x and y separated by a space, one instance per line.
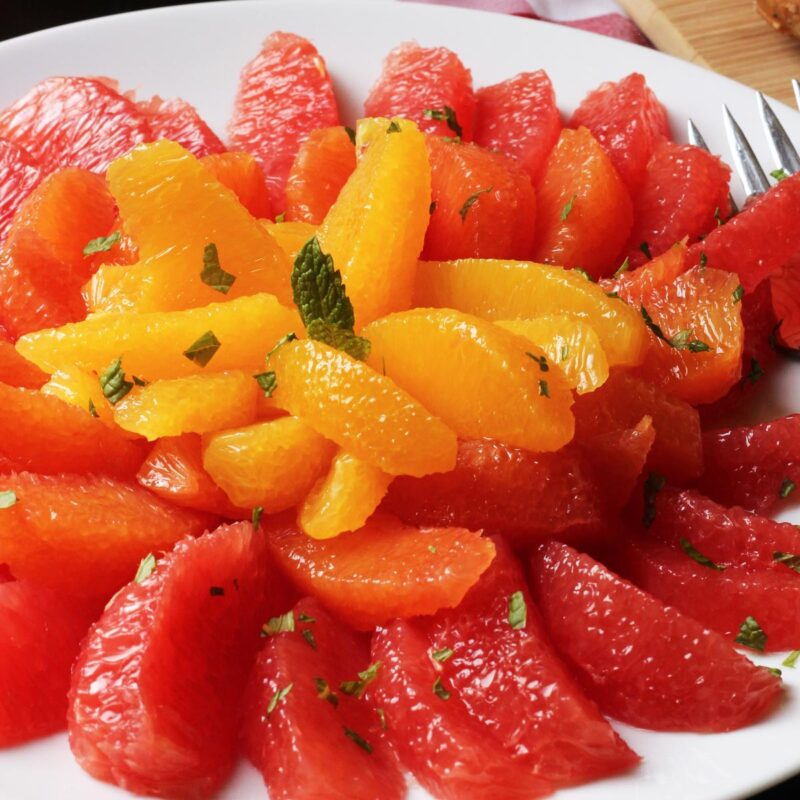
pixel 796 87
pixel 780 144
pixel 696 138
pixel 747 167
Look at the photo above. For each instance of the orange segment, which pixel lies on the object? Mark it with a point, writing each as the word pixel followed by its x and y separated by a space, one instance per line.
pixel 570 344
pixel 173 207
pixel 241 173
pixel 195 404
pixel 270 464
pixel 499 290
pixel 343 499
pixel 152 345
pixel 364 412
pixel 474 375
pixel 585 212
pixel 384 570
pixel 81 389
pixel 377 225
pixel 290 236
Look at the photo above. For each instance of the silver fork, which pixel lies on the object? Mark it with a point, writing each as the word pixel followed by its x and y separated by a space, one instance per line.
pixel 750 172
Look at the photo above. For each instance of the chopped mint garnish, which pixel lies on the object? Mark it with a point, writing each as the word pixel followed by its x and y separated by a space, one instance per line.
pixel 718 216
pixel 145 570
pixel 277 697
pixel 442 655
pixel 440 691
pixel 113 383
pixel 471 200
pixel 544 388
pixel 645 248
pixel 432 548
pixel 787 487
pixel 324 692
pixel 703 260
pixel 791 660
pixel 565 212
pixel 287 337
pixel 382 717
pixel 751 635
pixel 268 381
pixel 360 741
pixel 623 267
pixel 258 512
pixel 216 591
pixel 92 409
pixel 790 559
pixel 540 360
pixel 7 498
pixel 652 486
pixel 682 341
pixel 275 625
pixel 446 114
pixel 774 671
pixel 203 350
pixel 212 273
pixel 779 174
pixel 308 635
pixel 517 611
pixel 139 381
pixel 281 217
pixel 305 618
pixel 393 127
pixel 358 687
pixel 321 299
pixel 432 208
pixel 690 551
pixel 738 293
pixel 101 244
pixel 755 374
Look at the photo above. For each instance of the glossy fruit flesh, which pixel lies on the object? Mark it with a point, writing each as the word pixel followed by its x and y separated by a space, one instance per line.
pixel 623 400
pixel 291 236
pixel 344 498
pixel 377 224
pixel 450 752
pixel 82 389
pixel 173 207
pixel 416 79
pixel 85 535
pixel 722 600
pixel 241 173
pixel 728 536
pixel 74 122
pixel 757 242
pixel 19 174
pixel 45 434
pixel 644 663
pixel 359 409
pixel 482 204
pixel 570 344
pixel 300 747
pixel 519 117
pixel 501 290
pixel 152 345
pixel 194 404
pixel 528 496
pixel 174 471
pixel 284 94
pixel 324 162
pixel 505 393
pixel 700 306
pixel 514 683
pixel 685 191
pixel 178 121
pixel 784 296
pixel 270 464
pixel 18 371
pixel 584 210
pixel 627 119
pixel 383 570
pixel 751 466
pixel 41 634
pixel 156 689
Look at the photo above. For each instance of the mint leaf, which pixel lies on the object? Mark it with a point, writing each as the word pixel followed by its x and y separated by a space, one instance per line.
pixel 382 717
pixel 446 114
pixel 755 374
pixel 623 267
pixel 275 625
pixel 703 260
pixel 718 216
pixel 7 499
pixel 751 635
pixel 330 334
pixel 258 512
pixel 779 174
pixel 790 559
pixel 652 486
pixel 440 691
pixel 682 341
pixel 268 381
pixel 216 591
pixel 113 383
pixel 357 688
pixel 92 409
pixel 690 551
pixel 738 293
pixel 204 349
pixel 442 655
pixel 145 570
pixel 308 635
pixel 359 740
pixel 648 320
pixel 471 200
pixel 787 487
pixel 544 388
pixel 540 360
pixel 645 248
pixel 318 289
pixel 393 127
pixel 305 618
pixel 324 692
pixel 281 217
pixel 517 611
pixel 277 697
pixel 101 244
pixel 773 671
pixel 565 212
pixel 791 660
pixel 212 273
pixel 582 271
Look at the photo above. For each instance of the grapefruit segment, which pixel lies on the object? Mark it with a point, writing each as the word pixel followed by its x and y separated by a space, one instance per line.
pixel 645 663
pixel 18 371
pixel 19 174
pixel 178 121
pixel 383 570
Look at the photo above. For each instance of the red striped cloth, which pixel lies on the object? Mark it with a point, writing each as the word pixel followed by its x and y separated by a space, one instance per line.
pixel 575 13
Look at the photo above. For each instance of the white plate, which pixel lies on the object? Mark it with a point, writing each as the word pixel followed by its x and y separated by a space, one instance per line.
pixel 196 52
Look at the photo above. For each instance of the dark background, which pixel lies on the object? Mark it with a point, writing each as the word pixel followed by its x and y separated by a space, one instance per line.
pixel 26 16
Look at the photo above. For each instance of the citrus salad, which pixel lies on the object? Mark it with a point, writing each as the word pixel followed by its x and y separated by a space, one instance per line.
pixel 394 449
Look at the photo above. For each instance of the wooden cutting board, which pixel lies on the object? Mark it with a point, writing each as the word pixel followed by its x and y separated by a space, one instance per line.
pixel 729 36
